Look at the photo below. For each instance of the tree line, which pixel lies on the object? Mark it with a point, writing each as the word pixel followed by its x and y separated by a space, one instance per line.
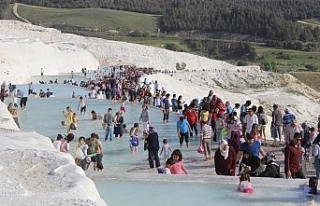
pixel 275 20
pixel 268 19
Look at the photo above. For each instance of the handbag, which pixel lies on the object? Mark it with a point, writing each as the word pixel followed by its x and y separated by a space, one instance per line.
pixel 200 149
pixel 73 126
pixel 145 145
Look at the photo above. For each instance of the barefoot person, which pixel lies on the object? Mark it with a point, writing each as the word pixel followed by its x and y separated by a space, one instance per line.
pixel 82 105
pixel 183 130
pixel 68 114
pixel 134 138
pixel 206 137
pixel 144 117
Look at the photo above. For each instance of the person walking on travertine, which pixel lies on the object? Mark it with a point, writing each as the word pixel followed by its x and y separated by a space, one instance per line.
pixel 165 108
pixel 249 120
pixel 276 124
pixel 41 73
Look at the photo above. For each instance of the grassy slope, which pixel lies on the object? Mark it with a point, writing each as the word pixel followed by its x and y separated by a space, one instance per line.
pixel 104 19
pixel 296 60
pixel 110 20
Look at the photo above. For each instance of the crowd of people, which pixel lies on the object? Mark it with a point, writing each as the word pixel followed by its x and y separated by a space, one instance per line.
pixel 239 130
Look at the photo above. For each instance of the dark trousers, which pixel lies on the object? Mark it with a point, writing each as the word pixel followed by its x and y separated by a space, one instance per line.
pixel 99 162
pixel 153 157
pixel 194 128
pixel 298 175
pixel 23 102
pixel 166 115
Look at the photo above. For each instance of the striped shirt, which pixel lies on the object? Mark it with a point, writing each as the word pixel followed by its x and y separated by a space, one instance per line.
pixel 206 131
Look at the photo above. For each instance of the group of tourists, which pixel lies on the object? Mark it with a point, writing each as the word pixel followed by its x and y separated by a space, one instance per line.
pixel 118 83
pixel 239 130
pixel 87 151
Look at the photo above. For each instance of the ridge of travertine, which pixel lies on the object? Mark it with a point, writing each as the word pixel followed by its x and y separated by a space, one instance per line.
pixel 58 52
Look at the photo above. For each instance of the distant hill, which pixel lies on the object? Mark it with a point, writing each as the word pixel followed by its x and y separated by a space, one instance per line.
pixel 272 20
pixel 93 19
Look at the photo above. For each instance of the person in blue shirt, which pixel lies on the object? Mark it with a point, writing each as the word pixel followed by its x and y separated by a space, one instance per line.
pixel 174 103
pixel 183 130
pixel 288 117
pixel 229 107
pixel 254 147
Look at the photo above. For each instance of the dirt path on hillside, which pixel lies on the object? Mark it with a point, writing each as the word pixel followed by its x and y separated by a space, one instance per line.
pixel 309 23
pixel 15 12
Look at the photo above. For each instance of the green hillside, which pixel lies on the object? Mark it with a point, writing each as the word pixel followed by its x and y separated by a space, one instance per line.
pixel 89 18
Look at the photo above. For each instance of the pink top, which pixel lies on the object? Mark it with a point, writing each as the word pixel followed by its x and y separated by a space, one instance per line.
pixel 177 168
pixel 245 186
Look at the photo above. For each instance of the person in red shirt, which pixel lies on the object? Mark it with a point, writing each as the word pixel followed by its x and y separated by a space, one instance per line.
pixel 191 116
pixel 292 158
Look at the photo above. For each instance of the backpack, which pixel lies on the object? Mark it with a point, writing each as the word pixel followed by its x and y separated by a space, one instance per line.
pixel 264 119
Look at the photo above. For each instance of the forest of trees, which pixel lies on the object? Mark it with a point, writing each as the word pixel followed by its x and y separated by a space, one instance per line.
pixel 267 19
pixel 275 20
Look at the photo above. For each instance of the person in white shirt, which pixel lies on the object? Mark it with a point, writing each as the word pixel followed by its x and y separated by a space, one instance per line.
pixel 166 170
pixel 82 105
pixel 57 142
pixel 250 119
pixel 81 154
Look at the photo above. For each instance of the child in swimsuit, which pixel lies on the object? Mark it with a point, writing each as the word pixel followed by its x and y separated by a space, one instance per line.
pixel 245 184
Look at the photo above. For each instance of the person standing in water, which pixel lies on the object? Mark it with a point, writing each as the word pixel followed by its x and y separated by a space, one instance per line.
pixel 82 105
pixel 144 117
pixel 30 90
pixel 108 121
pixel 68 114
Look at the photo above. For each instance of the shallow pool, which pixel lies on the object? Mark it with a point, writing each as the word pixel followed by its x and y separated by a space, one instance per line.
pixel 119 184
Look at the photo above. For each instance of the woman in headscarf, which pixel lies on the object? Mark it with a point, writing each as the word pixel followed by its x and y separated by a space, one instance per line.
pixel 225 160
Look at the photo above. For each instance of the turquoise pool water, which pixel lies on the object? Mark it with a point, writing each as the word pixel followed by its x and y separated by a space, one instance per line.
pixel 120 184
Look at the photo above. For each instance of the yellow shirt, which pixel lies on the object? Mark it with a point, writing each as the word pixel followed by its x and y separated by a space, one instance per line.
pixel 69 118
pixel 204 116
